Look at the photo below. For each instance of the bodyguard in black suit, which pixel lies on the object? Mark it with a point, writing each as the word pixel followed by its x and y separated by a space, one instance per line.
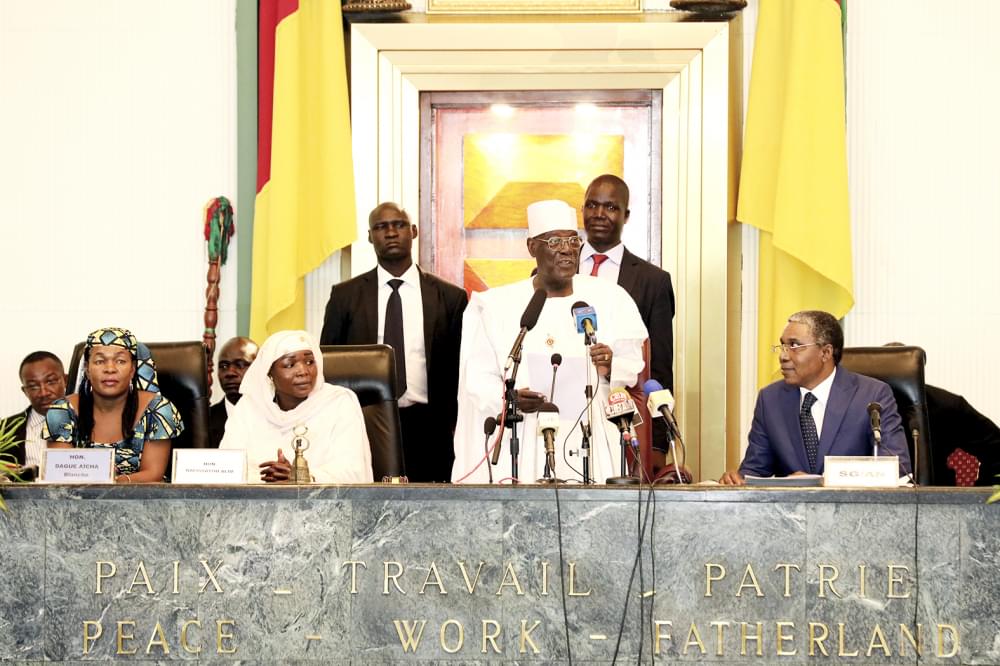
pixel 43 380
pixel 234 359
pixel 387 305
pixel 605 212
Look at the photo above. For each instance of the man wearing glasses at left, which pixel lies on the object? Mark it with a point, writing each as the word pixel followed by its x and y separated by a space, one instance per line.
pixel 818 408
pixel 43 380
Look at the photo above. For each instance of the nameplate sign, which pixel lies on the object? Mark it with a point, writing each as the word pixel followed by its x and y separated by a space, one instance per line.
pixel 861 471
pixel 78 465
pixel 210 466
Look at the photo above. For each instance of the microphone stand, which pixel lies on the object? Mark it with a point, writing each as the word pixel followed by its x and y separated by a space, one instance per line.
pixel 513 416
pixel 585 430
pixel 624 479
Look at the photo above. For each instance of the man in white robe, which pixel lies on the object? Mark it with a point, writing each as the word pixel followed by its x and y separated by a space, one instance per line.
pixel 490 326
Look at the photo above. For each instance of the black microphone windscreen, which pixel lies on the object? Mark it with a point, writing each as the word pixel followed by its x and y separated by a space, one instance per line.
pixel 548 407
pixel 579 304
pixel 489 426
pixel 556 359
pixel 534 309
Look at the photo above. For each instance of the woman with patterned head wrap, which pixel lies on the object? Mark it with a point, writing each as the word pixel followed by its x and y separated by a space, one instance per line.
pixel 118 404
pixel 284 394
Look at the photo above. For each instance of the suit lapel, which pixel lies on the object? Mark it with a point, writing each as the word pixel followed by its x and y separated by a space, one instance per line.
pixel 791 403
pixel 428 300
pixel 369 306
pixel 841 393
pixel 628 274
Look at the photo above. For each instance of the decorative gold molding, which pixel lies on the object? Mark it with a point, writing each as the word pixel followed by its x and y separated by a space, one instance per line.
pixel 534 6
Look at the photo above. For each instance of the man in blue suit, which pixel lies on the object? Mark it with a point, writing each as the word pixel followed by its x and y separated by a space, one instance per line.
pixel 819 409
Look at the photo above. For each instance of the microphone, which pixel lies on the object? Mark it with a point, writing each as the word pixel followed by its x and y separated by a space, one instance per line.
pixel 528 320
pixel 556 361
pixel 489 427
pixel 660 402
pixel 875 414
pixel 621 409
pixel 586 321
pixel 548 426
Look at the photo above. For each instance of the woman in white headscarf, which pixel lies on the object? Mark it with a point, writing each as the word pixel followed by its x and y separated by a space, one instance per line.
pixel 284 392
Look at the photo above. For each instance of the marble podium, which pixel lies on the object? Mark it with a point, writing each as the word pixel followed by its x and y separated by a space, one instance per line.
pixel 421 574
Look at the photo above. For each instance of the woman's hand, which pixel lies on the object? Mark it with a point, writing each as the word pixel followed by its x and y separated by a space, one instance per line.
pixel 276 471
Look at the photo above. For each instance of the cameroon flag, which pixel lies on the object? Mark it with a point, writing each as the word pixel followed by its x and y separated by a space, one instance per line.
pixel 304 209
pixel 793 181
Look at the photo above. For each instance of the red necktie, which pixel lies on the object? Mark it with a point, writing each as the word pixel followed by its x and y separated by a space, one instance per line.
pixel 598 260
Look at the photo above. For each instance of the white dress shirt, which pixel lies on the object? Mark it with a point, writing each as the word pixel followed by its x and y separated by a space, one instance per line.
pixel 608 270
pixel 822 393
pixel 33 442
pixel 413 330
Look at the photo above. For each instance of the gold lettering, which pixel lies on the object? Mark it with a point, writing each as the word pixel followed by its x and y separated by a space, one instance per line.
pixel 748 573
pixel 841 646
pixel 491 636
pixel 788 576
pixel 526 635
pixel 895 580
pixel 100 576
pixel 783 638
pixel 141 570
pixel 354 573
pixel 572 583
pixel 221 635
pixel 211 577
pixel 720 629
pixel 508 572
pixel 394 577
pixel 122 636
pixel 953 631
pixel 693 639
pixel 817 641
pixel 437 580
pixel 409 643
pixel 878 642
pixel 824 580
pixel 157 638
pixel 756 638
pixel 471 585
pixel 862 583
pixel 177 577
pixel 89 638
pixel 461 636
pixel 916 643
pixel 184 636
pixel 658 635
pixel 545 578
pixel 709 578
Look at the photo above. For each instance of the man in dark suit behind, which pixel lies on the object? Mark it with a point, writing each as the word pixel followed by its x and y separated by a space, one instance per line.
pixel 955 424
pixel 43 380
pixel 431 331
pixel 605 212
pixel 234 359
pixel 818 409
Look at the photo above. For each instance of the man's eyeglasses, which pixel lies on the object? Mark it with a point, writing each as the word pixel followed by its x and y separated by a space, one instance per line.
pixel 792 347
pixel 37 388
pixel 560 243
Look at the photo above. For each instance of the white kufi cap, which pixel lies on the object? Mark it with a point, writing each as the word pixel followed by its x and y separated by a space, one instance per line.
pixel 552 215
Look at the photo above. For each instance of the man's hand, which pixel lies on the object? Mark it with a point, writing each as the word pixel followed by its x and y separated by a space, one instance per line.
pixel 529 401
pixel 732 478
pixel 600 356
pixel 276 471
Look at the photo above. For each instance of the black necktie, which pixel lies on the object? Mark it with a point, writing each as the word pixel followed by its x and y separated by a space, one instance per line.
pixel 809 435
pixel 393 333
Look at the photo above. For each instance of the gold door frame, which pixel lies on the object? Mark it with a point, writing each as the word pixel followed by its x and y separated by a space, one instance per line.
pixel 689 62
